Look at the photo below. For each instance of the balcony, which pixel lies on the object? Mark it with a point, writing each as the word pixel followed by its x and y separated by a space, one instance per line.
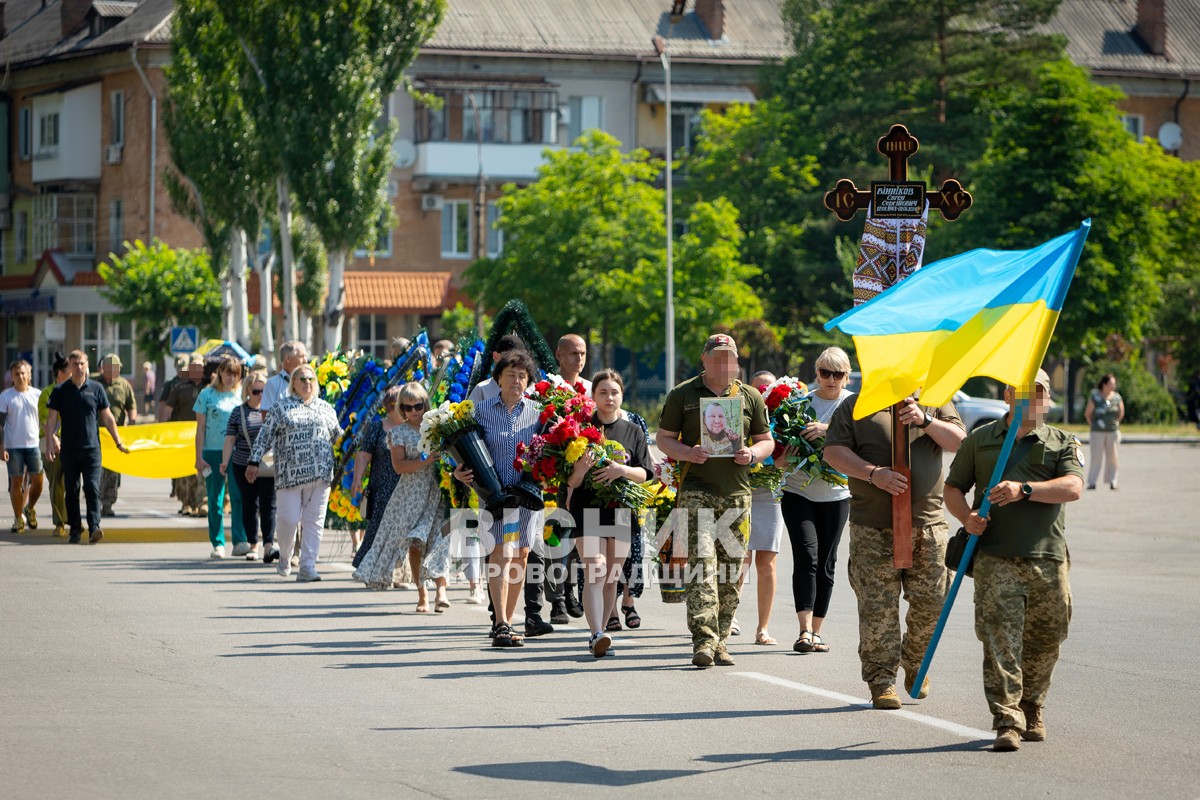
pixel 459 161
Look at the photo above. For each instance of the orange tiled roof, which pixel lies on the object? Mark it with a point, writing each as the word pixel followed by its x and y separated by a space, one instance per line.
pixel 88 279
pixel 8 282
pixel 383 293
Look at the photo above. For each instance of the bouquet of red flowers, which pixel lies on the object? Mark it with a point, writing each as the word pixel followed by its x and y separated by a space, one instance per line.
pixel 790 409
pixel 560 399
pixel 550 458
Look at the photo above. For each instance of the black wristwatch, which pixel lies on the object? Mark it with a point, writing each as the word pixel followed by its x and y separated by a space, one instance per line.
pixel 928 421
pixel 1026 491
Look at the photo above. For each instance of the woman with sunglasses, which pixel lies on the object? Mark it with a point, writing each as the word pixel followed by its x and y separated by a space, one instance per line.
pixel 412 522
pixel 301 429
pixel 815 512
pixel 213 407
pixel 374 454
pixel 258 498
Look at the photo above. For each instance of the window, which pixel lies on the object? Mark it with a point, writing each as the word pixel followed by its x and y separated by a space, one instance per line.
pixel 1133 124
pixel 117 121
pixel 685 126
pixel 456 229
pixel 12 340
pixel 65 222
pixel 116 227
pixel 103 335
pixel 585 113
pixel 25 133
pixel 372 334
pixel 505 116
pixel 495 235
pixel 21 231
pixel 48 134
pixel 382 246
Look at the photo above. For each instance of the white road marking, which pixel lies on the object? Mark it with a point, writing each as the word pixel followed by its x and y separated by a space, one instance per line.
pixel 934 722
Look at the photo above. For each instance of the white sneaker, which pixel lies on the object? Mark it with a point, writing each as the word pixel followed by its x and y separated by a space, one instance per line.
pixel 474 598
pixel 284 570
pixel 296 558
pixel 217 552
pixel 241 549
pixel 252 554
pixel 307 577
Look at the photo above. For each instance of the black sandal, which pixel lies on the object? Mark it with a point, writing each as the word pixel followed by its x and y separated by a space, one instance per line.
pixel 503 637
pixel 632 620
pixel 614 624
pixel 804 644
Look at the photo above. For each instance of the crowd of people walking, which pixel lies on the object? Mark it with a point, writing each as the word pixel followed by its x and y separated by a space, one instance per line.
pixel 269 444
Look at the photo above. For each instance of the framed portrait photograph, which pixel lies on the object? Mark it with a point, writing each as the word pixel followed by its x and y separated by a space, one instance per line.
pixel 721 425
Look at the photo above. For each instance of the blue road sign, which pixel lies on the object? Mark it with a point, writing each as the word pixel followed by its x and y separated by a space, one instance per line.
pixel 184 339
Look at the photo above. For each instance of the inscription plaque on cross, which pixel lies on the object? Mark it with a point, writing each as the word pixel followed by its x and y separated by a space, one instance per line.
pixel 898 198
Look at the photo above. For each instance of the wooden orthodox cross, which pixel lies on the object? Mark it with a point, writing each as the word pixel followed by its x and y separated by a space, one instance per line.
pixel 898 198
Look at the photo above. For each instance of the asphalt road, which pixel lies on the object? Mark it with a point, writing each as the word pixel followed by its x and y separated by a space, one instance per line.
pixel 146 670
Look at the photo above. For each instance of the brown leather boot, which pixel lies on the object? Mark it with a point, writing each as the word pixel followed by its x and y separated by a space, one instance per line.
pixel 1035 726
pixel 1007 740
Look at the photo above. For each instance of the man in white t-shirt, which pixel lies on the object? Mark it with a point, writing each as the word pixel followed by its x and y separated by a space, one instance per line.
pixel 571 355
pixel 19 444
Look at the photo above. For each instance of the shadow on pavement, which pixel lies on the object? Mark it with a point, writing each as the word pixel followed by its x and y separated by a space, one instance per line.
pixel 573 772
pixel 617 719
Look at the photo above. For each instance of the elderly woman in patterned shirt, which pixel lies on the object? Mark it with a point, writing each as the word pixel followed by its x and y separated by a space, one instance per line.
pixel 302 430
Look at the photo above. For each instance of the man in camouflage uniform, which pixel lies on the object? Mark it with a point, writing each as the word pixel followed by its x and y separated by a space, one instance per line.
pixel 181 365
pixel 1022 591
pixel 124 409
pixel 716 494
pixel 177 407
pixel 862 449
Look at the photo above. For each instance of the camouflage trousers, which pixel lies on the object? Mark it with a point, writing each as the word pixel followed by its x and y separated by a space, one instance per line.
pixel 110 482
pixel 716 548
pixel 878 585
pixel 58 491
pixel 1022 611
pixel 190 491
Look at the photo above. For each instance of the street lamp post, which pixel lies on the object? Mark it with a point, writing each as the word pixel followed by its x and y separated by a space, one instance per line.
pixel 660 46
pixel 480 208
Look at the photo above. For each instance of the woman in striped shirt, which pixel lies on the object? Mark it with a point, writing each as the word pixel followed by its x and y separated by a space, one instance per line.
pixel 508 419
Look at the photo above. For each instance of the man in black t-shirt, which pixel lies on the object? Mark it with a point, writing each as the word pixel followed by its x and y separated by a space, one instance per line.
pixel 82 405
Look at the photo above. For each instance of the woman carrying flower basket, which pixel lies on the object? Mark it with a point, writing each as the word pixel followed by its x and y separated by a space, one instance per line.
pixel 412 522
pixel 816 505
pixel 507 420
pixel 607 525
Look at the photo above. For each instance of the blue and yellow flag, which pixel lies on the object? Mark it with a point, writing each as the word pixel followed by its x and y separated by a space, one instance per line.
pixel 985 312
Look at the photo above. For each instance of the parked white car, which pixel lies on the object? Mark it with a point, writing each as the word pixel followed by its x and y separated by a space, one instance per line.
pixel 973 411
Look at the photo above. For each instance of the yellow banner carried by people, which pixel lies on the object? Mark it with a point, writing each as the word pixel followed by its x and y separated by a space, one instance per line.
pixel 158 450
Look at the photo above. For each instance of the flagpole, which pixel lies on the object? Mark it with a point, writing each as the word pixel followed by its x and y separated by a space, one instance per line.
pixel 984 507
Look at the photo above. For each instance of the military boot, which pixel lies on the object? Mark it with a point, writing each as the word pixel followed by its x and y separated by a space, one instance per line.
pixel 885 698
pixel 1035 726
pixel 1007 740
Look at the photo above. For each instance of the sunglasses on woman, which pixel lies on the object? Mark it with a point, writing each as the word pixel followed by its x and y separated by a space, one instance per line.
pixel 405 407
pixel 837 375
pixel 256 392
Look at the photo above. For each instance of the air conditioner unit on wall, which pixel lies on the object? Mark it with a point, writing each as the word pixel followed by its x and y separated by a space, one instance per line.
pixel 431 202
pixel 112 153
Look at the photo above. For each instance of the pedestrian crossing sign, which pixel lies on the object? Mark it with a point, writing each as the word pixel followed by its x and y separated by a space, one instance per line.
pixel 184 339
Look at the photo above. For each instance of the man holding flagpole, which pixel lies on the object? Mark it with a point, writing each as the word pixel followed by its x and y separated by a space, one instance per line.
pixel 1022 591
pixel 862 449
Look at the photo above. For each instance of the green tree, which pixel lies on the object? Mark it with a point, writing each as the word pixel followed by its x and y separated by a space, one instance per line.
pixel 592 226
pixel 1178 320
pixel 157 287
pixel 458 323
pixel 221 178
pixel 1061 155
pixel 941 68
pixel 321 70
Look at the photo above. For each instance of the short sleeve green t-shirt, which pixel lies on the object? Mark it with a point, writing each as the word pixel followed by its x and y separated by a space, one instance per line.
pixel 681 413
pixel 1025 529
pixel 871 439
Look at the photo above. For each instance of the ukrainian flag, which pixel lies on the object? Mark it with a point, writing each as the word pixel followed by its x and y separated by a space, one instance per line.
pixel 985 312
